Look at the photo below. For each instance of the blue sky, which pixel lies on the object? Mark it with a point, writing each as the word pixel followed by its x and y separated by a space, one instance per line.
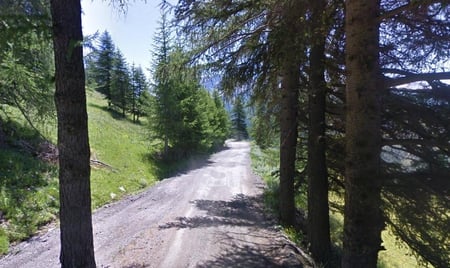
pixel 132 32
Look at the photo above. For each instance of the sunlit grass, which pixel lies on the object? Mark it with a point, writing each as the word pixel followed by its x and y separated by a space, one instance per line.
pixel 122 145
pixel 397 253
pixel 29 187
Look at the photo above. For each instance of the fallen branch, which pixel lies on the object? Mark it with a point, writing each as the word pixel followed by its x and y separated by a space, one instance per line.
pixel 98 163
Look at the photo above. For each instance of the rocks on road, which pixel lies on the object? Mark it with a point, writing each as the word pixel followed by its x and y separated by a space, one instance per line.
pixel 209 216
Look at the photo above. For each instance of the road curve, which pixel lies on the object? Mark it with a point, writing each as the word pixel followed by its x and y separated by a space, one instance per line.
pixel 209 216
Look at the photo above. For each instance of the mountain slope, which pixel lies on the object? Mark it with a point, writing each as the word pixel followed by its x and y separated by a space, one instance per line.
pixel 121 165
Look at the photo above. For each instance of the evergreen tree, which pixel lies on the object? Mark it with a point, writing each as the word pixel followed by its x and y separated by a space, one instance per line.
pixel 26 59
pixel 221 121
pixel 363 220
pixel 139 86
pixel 265 127
pixel 77 246
pixel 120 91
pixel 104 65
pixel 184 114
pixel 163 115
pixel 238 120
pixel 318 209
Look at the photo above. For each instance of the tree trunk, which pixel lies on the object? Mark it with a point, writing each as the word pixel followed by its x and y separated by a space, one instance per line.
pixel 363 218
pixel 77 248
pixel 318 210
pixel 289 111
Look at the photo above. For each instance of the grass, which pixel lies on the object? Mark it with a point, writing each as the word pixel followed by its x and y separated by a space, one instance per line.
pixel 265 162
pixel 124 146
pixel 29 187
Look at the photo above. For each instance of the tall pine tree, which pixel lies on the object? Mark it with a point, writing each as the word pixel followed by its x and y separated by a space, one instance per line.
pixel 162 115
pixel 139 88
pixel 77 245
pixel 104 65
pixel 120 90
pixel 363 219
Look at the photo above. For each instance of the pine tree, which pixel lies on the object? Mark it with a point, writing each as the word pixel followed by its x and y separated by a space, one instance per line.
pixel 265 127
pixel 221 121
pixel 26 60
pixel 238 120
pixel 163 109
pixel 104 65
pixel 363 220
pixel 139 86
pixel 120 90
pixel 77 247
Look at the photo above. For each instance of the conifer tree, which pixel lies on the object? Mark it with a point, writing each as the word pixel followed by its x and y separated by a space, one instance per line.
pixel 77 245
pixel 238 120
pixel 104 65
pixel 221 121
pixel 162 115
pixel 139 87
pixel 26 64
pixel 363 220
pixel 120 90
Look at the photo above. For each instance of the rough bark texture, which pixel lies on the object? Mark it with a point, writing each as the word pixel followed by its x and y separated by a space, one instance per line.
pixel 318 217
pixel 363 218
pixel 77 248
pixel 289 113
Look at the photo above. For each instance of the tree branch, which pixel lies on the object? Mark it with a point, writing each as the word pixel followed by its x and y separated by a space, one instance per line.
pixel 412 77
pixel 412 4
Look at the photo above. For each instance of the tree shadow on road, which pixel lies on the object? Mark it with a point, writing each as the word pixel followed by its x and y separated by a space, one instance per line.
pixel 242 210
pixel 258 245
pixel 240 253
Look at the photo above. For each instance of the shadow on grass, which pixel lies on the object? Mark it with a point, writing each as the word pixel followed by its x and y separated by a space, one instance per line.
pixel 115 114
pixel 28 185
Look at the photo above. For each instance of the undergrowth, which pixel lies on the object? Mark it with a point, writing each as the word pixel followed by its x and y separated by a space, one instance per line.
pixel 28 186
pixel 265 164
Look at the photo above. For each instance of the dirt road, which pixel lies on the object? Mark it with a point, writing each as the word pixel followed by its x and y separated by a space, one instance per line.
pixel 211 216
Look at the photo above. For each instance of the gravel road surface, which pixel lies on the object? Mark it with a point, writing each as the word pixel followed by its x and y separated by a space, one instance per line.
pixel 209 216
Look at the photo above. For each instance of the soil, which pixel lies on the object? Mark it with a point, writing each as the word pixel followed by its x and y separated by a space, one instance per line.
pixel 209 216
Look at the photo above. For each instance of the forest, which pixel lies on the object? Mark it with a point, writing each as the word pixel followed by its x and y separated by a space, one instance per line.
pixel 351 97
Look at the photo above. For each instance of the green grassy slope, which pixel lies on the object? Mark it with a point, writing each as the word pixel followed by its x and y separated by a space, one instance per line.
pixel 123 146
pixel 29 187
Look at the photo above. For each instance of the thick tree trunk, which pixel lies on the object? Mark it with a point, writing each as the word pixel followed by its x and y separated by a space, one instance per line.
pixel 288 142
pixel 363 218
pixel 318 217
pixel 77 248
pixel 290 73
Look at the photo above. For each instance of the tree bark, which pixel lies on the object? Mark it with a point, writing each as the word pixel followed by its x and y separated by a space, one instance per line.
pixel 289 111
pixel 363 218
pixel 318 210
pixel 77 248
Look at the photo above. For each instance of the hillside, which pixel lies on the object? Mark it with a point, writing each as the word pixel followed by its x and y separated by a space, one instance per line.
pixel 120 153
pixel 124 147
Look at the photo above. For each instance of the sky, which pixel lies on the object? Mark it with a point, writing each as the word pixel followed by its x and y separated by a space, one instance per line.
pixel 132 32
